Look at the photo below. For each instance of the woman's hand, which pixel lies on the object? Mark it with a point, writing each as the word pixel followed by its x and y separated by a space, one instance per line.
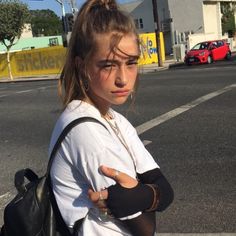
pixel 98 198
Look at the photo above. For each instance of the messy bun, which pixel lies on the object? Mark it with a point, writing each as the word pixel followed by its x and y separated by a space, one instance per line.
pixel 108 4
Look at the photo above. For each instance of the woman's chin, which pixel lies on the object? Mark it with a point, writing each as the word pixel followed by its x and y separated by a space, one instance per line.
pixel 119 101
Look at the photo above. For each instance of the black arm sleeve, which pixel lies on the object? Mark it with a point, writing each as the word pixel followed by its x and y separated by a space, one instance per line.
pixel 156 177
pixel 143 225
pixel 127 201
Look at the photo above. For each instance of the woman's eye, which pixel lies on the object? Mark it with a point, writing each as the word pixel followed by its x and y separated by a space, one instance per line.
pixel 108 66
pixel 130 63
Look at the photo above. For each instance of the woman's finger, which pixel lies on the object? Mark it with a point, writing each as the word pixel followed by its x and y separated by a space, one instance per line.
pixel 96 196
pixel 120 177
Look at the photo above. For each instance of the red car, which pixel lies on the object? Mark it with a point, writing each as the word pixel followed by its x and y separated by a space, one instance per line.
pixel 207 52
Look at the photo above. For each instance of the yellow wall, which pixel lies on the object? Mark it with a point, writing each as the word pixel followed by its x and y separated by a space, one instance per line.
pixel 34 62
pixel 149 49
pixel 50 60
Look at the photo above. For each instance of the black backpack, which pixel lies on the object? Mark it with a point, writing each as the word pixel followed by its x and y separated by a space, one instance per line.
pixel 34 211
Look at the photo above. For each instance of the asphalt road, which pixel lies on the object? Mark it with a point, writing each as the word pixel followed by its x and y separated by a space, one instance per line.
pixel 190 128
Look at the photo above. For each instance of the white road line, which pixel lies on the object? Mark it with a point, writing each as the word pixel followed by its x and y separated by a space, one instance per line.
pixel 171 114
pixel 196 234
pixel 146 142
pixel 27 91
pixel 6 195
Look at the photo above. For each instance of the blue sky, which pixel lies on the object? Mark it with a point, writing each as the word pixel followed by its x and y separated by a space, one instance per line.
pixel 54 5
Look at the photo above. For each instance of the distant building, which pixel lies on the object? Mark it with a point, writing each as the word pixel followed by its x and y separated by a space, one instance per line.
pixel 27 32
pixel 179 19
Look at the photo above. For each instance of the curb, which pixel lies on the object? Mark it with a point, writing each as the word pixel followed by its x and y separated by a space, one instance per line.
pixel 30 79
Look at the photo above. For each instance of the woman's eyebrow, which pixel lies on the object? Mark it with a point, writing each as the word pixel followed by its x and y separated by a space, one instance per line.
pixel 128 58
pixel 105 61
pixel 133 57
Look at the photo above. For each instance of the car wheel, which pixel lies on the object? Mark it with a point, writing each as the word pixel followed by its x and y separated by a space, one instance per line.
pixel 209 60
pixel 228 56
pixel 187 63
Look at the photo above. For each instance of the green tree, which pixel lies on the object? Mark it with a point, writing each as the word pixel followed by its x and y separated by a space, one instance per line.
pixel 45 22
pixel 13 16
pixel 228 18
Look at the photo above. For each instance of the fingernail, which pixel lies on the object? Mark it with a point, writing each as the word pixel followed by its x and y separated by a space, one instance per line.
pixel 103 167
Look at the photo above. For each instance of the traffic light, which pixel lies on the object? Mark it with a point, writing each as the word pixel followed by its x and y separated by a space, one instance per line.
pixel 68 22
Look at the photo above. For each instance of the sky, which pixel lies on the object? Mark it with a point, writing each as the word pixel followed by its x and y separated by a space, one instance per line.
pixel 55 6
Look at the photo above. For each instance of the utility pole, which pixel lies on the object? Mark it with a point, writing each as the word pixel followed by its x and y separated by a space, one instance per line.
pixel 74 8
pixel 65 28
pixel 157 32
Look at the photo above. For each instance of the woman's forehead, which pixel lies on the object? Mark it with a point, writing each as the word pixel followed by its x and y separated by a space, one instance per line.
pixel 126 46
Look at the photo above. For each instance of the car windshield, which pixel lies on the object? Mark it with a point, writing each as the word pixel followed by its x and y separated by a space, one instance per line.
pixel 201 46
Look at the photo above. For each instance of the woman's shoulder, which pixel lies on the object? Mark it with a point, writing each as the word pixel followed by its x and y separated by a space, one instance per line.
pixel 75 111
pixel 123 122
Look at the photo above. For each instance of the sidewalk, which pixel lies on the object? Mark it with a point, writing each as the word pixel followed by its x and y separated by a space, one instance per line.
pixel 169 62
pixel 30 78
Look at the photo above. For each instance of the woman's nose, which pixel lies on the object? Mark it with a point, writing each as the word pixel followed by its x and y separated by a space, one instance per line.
pixel 121 77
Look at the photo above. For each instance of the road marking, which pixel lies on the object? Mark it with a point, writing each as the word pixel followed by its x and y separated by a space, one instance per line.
pixel 4 199
pixel 7 194
pixel 196 234
pixel 146 142
pixel 171 114
pixel 27 91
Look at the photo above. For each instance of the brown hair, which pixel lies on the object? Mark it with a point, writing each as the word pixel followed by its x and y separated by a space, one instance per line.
pixel 94 17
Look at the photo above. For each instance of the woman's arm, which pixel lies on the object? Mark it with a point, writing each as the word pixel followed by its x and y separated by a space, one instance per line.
pixel 120 204
pixel 126 197
pixel 162 187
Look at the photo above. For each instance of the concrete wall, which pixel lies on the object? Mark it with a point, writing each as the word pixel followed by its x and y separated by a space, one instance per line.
pixel 28 43
pixel 187 15
pixel 197 38
pixel 212 18
pixel 144 11
pixel 34 62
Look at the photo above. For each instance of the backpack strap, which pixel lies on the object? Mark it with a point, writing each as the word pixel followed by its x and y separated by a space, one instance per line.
pixel 65 131
pixel 60 223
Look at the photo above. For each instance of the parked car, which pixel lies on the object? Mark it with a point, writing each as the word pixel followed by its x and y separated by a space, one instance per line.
pixel 207 52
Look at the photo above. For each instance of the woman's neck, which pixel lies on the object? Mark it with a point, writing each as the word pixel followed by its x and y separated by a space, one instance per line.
pixel 104 110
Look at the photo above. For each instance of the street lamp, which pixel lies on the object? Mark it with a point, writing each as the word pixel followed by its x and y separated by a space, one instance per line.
pixel 62 7
pixel 63 14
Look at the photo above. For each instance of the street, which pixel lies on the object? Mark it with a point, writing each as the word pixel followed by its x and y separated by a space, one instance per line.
pixel 190 128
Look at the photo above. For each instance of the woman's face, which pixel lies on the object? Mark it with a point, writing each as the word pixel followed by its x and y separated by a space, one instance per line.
pixel 113 74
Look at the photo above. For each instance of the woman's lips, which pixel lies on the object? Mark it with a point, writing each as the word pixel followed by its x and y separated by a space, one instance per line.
pixel 121 93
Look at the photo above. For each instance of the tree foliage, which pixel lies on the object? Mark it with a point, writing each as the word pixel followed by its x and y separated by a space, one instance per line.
pixel 13 16
pixel 228 18
pixel 45 22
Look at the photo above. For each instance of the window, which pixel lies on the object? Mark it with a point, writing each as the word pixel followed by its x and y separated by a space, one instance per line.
pixel 53 42
pixel 138 23
pixel 220 43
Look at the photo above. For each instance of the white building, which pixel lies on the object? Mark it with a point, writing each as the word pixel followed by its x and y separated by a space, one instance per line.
pixel 27 32
pixel 179 20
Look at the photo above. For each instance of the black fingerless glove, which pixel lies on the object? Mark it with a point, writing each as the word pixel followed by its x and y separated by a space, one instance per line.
pixel 123 201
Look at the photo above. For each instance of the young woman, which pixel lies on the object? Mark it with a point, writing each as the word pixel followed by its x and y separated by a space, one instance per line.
pixel 102 174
